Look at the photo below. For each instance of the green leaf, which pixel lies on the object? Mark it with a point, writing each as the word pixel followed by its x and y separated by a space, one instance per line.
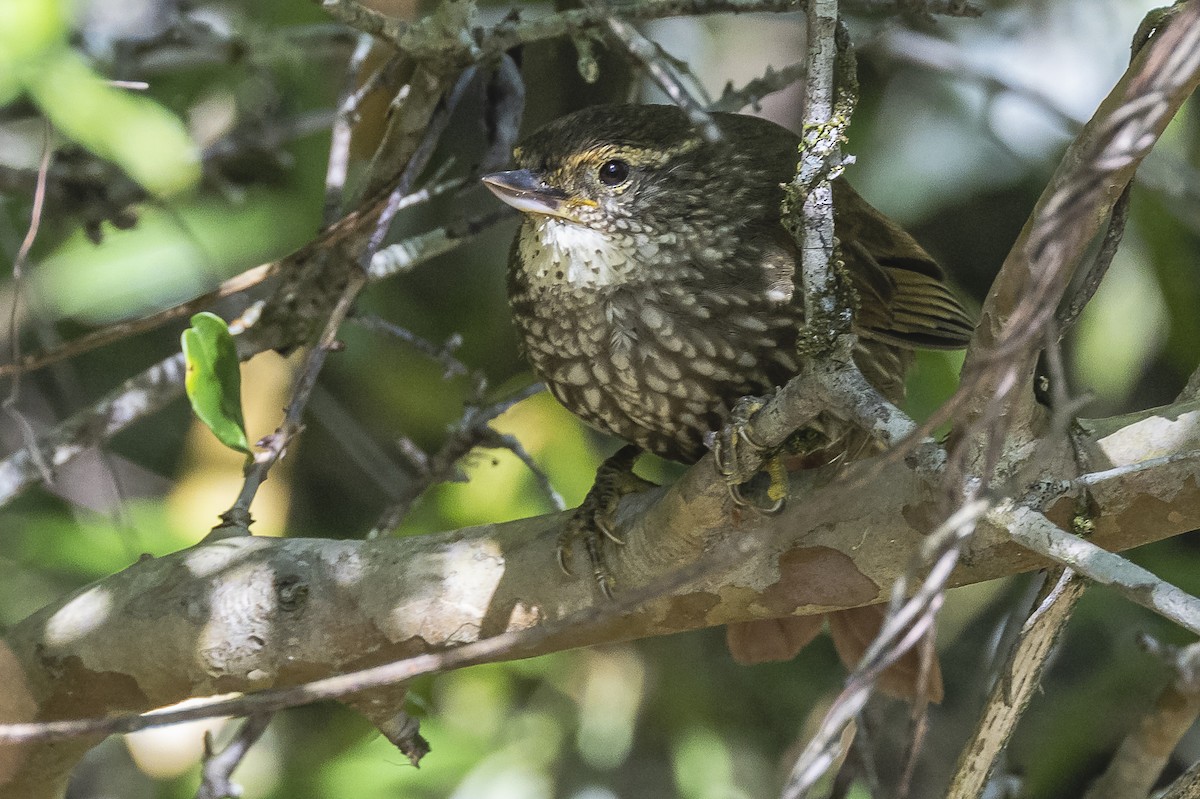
pixel 214 379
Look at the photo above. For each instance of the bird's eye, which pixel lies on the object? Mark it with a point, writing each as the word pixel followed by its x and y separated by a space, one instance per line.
pixel 614 172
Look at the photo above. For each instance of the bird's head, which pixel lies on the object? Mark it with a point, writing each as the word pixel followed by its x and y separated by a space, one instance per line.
pixel 644 169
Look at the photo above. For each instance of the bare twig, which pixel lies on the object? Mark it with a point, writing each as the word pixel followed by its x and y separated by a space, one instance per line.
pixel 471 431
pixel 829 381
pixel 1069 313
pixel 401 257
pixel 1117 218
pixel 28 435
pixel 919 720
pixel 134 399
pixel 1088 183
pixel 752 93
pixel 384 76
pixel 1034 531
pixel 399 195
pixel 422 41
pixel 157 386
pixel 122 330
pixel 443 355
pixel 1117 472
pixel 343 125
pixel 827 313
pixel 513 445
pixel 217 771
pixel 649 57
pixel 392 260
pixel 953 8
pixel 236 520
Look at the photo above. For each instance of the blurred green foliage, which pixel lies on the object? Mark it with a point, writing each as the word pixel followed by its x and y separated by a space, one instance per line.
pixel 670 717
pixel 137 134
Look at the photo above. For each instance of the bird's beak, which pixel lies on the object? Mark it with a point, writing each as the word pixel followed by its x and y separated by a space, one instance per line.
pixel 520 189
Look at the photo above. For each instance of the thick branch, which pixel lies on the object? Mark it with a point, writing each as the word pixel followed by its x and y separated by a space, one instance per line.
pixel 252 613
pixel 1015 687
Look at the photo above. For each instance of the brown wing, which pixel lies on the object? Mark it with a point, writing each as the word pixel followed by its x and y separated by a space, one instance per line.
pixel 903 293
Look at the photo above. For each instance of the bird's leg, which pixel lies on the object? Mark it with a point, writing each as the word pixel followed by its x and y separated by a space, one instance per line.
pixel 740 459
pixel 593 519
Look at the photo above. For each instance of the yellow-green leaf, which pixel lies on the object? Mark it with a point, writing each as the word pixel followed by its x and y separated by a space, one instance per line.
pixel 214 379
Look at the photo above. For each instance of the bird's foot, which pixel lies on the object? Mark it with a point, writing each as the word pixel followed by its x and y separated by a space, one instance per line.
pixel 593 520
pixel 741 459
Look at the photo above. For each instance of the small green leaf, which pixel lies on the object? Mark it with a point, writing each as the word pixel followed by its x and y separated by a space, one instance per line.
pixel 214 379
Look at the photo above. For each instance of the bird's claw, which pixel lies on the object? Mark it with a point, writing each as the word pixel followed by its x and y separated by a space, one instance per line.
pixel 592 521
pixel 739 458
pixel 739 498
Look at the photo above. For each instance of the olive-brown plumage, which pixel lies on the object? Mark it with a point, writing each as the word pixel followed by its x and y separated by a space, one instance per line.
pixel 653 284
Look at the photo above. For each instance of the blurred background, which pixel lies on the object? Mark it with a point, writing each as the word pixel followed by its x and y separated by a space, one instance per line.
pixel 959 125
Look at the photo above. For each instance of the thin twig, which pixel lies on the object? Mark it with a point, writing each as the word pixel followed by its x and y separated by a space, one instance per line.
pixel 752 93
pixel 236 520
pixel 154 388
pixel 919 724
pixel 443 355
pixel 1117 472
pixel 1186 786
pixel 343 125
pixel 28 435
pixel 123 330
pixel 1088 182
pixel 829 381
pixel 401 257
pixel 1032 530
pixel 392 260
pixel 134 399
pixel 416 164
pixel 426 42
pixel 471 431
pixel 217 771
pixel 649 57
pixel 384 76
pixel 1069 313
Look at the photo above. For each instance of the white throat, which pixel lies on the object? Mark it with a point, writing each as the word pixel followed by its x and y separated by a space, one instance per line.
pixel 558 252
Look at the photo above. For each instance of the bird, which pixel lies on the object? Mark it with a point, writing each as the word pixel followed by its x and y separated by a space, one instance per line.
pixel 653 284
